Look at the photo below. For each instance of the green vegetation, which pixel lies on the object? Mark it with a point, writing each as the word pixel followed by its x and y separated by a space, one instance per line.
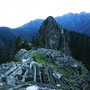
pixel 72 85
pixel 83 75
pixel 39 58
pixel 63 71
pixel 51 80
pixel 83 71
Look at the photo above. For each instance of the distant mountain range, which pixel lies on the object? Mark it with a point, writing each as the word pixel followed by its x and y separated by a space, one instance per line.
pixel 73 22
pixel 76 22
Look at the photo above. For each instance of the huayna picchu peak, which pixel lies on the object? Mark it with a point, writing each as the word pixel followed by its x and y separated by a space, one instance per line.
pixel 50 21
pixel 55 59
pixel 50 35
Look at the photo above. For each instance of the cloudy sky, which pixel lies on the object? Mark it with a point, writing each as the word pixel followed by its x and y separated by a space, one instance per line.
pixel 14 13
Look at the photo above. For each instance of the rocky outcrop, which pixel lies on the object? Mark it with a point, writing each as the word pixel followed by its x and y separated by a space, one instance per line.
pixel 48 35
pixel 19 44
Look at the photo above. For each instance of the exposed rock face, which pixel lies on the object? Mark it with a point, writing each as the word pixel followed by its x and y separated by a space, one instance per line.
pixel 52 35
pixel 19 44
pixel 44 68
pixel 48 35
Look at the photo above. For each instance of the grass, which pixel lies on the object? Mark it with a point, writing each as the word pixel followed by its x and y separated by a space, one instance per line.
pixel 83 75
pixel 52 80
pixel 83 71
pixel 63 71
pixel 72 85
pixel 39 58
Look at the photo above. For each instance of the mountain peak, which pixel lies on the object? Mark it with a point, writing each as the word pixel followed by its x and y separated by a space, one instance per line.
pixel 50 21
pixel 50 18
pixel 49 35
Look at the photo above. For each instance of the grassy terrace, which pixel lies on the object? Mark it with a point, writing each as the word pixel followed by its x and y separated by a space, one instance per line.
pixel 63 71
pixel 72 85
pixel 39 58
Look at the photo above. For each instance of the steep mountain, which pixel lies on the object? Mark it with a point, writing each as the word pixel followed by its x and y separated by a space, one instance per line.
pixel 6 40
pixel 50 35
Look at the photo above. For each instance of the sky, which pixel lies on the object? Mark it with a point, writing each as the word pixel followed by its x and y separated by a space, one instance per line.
pixel 14 13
